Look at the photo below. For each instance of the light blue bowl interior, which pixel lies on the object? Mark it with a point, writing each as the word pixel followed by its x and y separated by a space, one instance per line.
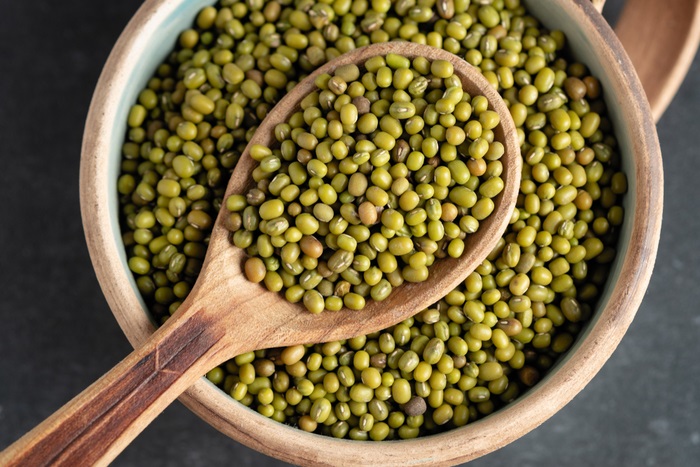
pixel 156 47
pixel 161 41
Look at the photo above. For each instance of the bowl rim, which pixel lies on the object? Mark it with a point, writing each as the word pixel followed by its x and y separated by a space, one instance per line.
pixel 457 445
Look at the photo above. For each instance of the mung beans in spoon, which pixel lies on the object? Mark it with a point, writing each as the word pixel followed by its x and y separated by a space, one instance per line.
pixel 385 169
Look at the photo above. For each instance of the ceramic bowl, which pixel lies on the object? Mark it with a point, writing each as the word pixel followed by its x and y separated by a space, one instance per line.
pixel 145 43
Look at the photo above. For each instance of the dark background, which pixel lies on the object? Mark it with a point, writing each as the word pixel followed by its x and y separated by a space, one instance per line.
pixel 57 334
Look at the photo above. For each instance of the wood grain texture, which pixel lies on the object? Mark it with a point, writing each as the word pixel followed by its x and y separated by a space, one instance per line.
pixel 225 315
pixel 661 38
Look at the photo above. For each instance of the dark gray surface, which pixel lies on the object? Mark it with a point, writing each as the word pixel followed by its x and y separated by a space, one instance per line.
pixel 57 334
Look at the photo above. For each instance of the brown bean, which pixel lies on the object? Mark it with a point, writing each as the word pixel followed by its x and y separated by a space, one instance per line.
pixel 529 376
pixel 592 87
pixel 575 88
pixel 477 167
pixel 449 212
pixel 311 246
pixel 416 406
pixel 510 326
pixel 362 104
pixel 368 213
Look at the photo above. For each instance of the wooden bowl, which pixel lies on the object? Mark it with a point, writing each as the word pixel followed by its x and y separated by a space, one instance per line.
pixel 144 44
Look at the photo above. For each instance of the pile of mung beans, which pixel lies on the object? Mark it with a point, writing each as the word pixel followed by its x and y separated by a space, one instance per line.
pixel 485 342
pixel 369 184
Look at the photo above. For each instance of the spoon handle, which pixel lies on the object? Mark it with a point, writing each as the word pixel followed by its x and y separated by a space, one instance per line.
pixel 99 423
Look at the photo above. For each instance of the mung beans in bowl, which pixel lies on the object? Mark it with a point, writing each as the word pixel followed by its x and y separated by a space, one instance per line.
pixel 499 354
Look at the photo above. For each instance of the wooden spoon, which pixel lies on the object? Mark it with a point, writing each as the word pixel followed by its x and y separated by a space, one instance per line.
pixel 225 315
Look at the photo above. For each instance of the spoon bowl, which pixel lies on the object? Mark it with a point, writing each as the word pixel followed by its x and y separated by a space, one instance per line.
pixel 409 298
pixel 226 315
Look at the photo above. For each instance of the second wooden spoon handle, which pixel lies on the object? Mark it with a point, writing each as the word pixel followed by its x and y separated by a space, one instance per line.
pixel 661 38
pixel 96 425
